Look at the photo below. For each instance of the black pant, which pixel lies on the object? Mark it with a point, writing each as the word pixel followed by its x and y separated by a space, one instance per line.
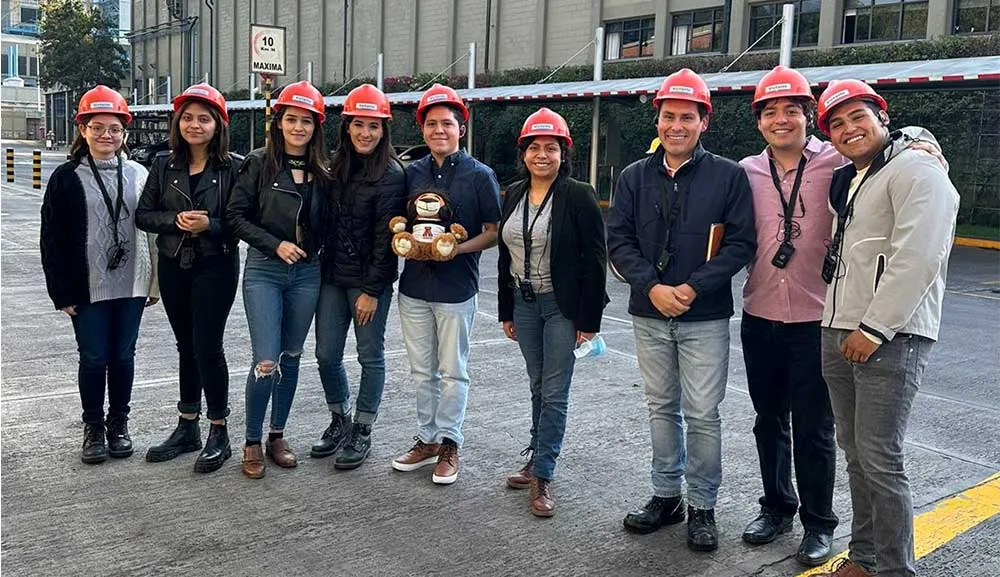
pixel 784 374
pixel 198 301
pixel 106 332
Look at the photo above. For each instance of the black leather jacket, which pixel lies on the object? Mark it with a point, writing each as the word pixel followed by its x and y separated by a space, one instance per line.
pixel 359 252
pixel 166 194
pixel 263 214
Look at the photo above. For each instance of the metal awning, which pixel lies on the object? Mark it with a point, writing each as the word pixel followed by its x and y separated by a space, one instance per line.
pixel 950 70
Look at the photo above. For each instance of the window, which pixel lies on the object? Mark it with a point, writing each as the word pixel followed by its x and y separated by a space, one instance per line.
pixel 628 38
pixel 29 15
pixel 763 16
pixel 698 31
pixel 875 20
pixel 161 90
pixel 975 16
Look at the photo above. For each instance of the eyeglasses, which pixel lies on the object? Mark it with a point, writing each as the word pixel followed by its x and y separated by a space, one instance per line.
pixel 101 130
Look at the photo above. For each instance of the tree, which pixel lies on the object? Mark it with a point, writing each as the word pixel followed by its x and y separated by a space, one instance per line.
pixel 79 47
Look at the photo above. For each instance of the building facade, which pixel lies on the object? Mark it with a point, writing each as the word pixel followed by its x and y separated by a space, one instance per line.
pixel 178 42
pixel 21 101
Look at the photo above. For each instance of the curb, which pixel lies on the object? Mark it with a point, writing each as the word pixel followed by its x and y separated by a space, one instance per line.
pixel 977 242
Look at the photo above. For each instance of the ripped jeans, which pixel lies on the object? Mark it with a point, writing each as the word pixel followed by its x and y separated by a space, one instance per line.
pixel 280 302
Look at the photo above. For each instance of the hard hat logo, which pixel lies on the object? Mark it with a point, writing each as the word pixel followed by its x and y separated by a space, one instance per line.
pixel 102 105
pixel 302 100
pixel 366 106
pixel 681 90
pixel 543 126
pixel 198 92
pixel 778 87
pixel 836 97
pixel 436 98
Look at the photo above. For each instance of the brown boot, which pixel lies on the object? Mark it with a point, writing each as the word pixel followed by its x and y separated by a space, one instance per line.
pixel 846 568
pixel 253 461
pixel 543 503
pixel 421 455
pixel 282 455
pixel 522 478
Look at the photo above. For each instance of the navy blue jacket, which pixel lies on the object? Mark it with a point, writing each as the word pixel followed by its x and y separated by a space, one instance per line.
pixel 715 191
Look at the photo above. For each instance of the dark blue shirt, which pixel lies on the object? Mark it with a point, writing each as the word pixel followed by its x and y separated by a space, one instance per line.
pixel 474 195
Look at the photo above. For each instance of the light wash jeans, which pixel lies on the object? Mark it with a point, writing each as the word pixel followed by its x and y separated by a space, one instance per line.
pixel 547 339
pixel 684 366
pixel 437 344
pixel 334 316
pixel 280 301
pixel 871 404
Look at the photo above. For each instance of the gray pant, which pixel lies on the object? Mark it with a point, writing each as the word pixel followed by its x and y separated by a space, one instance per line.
pixel 871 404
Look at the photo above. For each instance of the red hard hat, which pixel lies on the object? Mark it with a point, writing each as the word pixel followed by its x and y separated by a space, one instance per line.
pixel 102 100
pixel 440 94
pixel 205 93
pixel 546 122
pixel 839 92
pixel 781 83
pixel 684 85
pixel 366 100
pixel 302 95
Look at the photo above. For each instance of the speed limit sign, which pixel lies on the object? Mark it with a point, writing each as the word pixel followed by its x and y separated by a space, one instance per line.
pixel 267 49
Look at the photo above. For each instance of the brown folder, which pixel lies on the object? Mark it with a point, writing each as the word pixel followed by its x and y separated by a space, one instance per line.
pixel 715 233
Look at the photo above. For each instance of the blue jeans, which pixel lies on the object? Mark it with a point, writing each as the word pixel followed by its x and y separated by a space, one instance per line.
pixel 871 404
pixel 547 339
pixel 684 366
pixel 334 315
pixel 106 332
pixel 437 344
pixel 280 301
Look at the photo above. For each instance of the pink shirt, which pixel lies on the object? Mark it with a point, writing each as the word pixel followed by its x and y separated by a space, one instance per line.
pixel 795 293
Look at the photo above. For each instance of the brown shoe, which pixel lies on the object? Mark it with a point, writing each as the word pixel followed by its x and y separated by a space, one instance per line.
pixel 846 568
pixel 253 462
pixel 282 455
pixel 446 470
pixel 421 455
pixel 543 503
pixel 522 478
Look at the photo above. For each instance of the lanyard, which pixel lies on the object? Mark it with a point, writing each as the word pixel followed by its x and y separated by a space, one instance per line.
pixel 115 211
pixel 526 230
pixel 789 205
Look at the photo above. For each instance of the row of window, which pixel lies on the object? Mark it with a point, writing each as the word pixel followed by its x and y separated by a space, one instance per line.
pixel 863 21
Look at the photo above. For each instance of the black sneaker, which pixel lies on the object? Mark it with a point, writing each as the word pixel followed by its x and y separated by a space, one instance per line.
pixel 659 511
pixel 356 450
pixel 333 437
pixel 702 534
pixel 94 449
pixel 185 438
pixel 119 441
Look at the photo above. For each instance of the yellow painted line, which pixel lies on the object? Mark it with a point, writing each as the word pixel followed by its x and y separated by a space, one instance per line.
pixel 949 519
pixel 977 242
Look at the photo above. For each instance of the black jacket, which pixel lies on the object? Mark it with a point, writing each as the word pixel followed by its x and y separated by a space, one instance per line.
pixel 64 238
pixel 578 255
pixel 714 190
pixel 166 194
pixel 358 249
pixel 263 214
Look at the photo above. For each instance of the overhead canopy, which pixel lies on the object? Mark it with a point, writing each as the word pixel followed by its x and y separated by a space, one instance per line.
pixel 950 70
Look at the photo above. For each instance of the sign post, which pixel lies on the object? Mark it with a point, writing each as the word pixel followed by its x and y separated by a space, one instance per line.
pixel 267 57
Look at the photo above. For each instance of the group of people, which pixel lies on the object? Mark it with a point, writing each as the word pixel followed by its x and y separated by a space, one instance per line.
pixel 846 243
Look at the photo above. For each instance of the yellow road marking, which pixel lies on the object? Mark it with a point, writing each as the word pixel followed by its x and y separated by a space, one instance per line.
pixel 977 242
pixel 949 519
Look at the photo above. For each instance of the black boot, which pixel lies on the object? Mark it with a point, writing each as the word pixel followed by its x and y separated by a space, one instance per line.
pixel 659 511
pixel 94 449
pixel 185 438
pixel 216 451
pixel 357 448
pixel 333 437
pixel 702 534
pixel 119 442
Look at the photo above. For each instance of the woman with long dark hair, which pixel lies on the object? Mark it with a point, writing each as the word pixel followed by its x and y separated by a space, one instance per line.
pixel 184 202
pixel 278 207
pixel 99 269
pixel 551 297
pixel 359 268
